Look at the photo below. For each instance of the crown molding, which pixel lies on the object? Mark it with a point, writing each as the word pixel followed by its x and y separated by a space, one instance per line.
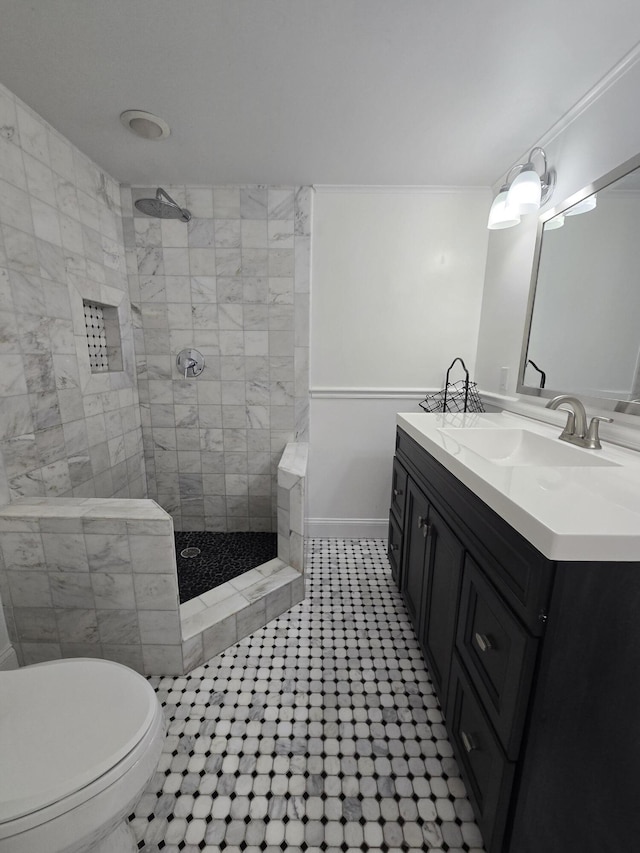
pixel 399 189
pixel 587 100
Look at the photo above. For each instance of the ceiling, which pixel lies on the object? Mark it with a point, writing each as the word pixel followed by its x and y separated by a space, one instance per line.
pixel 389 92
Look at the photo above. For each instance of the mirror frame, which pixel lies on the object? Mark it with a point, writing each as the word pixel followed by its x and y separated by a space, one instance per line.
pixel 604 403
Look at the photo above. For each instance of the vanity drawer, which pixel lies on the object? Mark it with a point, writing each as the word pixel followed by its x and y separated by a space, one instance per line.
pixel 398 489
pixel 487 772
pixel 394 548
pixel 499 656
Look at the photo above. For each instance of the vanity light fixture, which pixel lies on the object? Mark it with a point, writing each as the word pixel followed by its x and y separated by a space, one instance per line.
pixel 524 193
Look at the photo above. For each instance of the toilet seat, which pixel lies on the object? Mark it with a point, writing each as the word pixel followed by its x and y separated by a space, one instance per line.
pixel 49 769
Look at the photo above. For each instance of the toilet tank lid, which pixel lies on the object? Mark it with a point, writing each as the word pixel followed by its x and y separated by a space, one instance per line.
pixel 63 724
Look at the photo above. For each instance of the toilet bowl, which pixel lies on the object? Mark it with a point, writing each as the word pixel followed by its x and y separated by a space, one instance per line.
pixel 79 741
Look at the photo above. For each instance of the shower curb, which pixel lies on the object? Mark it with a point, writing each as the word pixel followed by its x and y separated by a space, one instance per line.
pixel 223 616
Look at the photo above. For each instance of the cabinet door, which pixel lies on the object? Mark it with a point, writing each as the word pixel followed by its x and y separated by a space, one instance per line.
pixel 398 490
pixel 415 552
pixel 487 773
pixel 446 555
pixel 499 656
pixel 394 549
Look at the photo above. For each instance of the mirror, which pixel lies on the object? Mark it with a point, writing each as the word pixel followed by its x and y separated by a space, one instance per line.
pixel 583 322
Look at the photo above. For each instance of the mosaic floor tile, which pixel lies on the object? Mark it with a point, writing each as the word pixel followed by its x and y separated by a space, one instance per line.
pixel 222 557
pixel 319 732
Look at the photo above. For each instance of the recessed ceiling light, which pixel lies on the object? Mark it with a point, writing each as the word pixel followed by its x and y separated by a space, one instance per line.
pixel 145 125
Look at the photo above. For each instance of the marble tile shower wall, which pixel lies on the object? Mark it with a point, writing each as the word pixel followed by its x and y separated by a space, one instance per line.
pixel 62 432
pixel 232 283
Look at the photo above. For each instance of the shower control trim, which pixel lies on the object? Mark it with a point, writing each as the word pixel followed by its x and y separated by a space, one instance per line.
pixel 190 363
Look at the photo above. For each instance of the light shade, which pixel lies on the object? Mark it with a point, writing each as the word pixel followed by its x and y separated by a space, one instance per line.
pixel 556 222
pixel 528 190
pixel 501 214
pixel 584 206
pixel 525 191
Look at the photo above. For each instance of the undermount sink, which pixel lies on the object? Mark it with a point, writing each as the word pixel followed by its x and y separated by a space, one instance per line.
pixel 521 447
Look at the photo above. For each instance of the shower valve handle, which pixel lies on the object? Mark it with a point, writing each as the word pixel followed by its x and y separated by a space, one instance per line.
pixel 190 362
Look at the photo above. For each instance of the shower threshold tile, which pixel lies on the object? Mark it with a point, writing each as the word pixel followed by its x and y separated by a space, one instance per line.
pixel 217 594
pixel 271 583
pixel 191 607
pixel 271 567
pixel 209 616
pixel 246 580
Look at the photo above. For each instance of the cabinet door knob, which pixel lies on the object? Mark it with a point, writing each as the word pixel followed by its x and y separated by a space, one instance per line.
pixel 397 492
pixel 468 742
pixel 393 547
pixel 483 642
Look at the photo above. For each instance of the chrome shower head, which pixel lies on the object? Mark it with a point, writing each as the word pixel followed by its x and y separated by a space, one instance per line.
pixel 163 207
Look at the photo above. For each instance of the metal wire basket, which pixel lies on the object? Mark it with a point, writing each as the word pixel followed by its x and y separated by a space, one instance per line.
pixel 460 396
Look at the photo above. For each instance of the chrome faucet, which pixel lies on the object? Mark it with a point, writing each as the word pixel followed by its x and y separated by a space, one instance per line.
pixel 576 431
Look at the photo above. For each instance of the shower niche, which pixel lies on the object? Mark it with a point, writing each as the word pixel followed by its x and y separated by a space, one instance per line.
pixel 103 337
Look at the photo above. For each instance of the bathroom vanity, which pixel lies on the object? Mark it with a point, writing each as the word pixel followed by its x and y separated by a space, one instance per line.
pixel 518 558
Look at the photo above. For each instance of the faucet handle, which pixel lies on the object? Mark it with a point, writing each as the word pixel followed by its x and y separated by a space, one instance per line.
pixel 570 426
pixel 592 437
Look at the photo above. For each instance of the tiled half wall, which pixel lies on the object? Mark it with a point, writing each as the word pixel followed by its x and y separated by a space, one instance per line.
pixel 91 578
pixel 97 578
pixel 232 283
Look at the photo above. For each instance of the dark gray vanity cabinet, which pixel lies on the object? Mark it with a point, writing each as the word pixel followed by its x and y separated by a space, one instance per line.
pixel 461 622
pixel 536 664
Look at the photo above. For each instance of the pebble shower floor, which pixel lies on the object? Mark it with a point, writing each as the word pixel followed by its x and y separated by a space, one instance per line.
pixel 319 732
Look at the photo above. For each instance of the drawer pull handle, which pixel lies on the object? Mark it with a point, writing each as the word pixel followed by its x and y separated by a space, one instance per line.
pixel 468 742
pixel 483 642
pixel 424 525
pixel 397 492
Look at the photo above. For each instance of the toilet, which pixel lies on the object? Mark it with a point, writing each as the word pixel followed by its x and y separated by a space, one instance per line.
pixel 79 741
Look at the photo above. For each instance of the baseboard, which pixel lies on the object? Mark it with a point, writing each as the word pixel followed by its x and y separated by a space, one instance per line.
pixel 347 528
pixel 8 659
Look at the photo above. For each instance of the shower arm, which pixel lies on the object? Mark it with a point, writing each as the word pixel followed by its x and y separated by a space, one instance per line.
pixel 160 194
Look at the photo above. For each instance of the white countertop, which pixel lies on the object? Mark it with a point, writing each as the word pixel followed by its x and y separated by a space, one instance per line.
pixel 567 513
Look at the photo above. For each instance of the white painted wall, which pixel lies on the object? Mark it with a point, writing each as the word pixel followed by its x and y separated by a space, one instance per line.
pixel 397 289
pixel 604 133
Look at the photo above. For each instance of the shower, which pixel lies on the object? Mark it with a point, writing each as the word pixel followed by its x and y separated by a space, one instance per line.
pixel 163 206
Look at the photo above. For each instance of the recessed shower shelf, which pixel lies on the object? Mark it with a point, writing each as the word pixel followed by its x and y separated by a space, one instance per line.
pixel 103 336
